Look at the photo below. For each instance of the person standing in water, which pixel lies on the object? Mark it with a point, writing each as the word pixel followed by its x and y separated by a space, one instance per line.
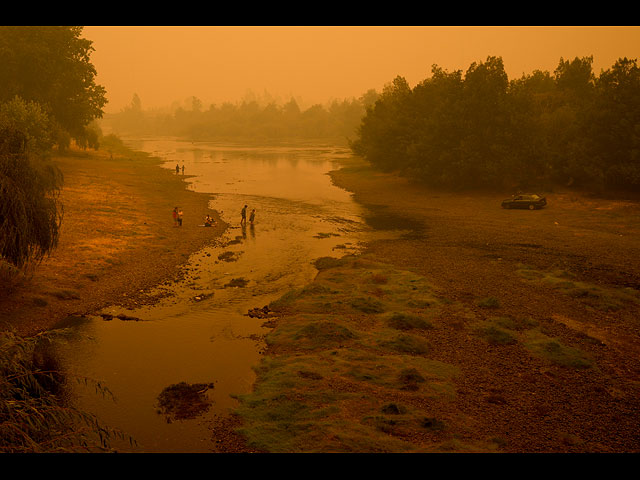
pixel 243 220
pixel 252 217
pixel 179 218
pixel 175 217
pixel 182 169
pixel 177 169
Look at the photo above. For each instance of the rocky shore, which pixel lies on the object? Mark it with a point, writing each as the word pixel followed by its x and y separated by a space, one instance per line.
pixel 117 239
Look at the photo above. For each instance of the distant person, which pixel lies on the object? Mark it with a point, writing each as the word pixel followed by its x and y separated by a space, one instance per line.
pixel 179 218
pixel 252 217
pixel 183 169
pixel 177 169
pixel 175 217
pixel 243 220
pixel 208 221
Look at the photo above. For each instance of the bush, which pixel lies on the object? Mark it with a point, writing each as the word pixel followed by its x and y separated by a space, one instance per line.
pixel 33 418
pixel 30 214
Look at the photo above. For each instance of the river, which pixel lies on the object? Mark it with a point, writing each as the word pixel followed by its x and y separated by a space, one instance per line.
pixel 200 331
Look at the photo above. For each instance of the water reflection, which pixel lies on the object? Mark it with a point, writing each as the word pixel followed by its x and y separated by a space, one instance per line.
pixel 197 331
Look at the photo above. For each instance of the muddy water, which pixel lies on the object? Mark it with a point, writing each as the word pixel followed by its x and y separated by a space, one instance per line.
pixel 199 332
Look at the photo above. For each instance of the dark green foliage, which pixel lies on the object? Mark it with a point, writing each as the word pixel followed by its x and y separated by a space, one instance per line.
pixel 33 416
pixel 410 379
pixel 30 213
pixel 48 96
pixel 50 65
pixel 407 344
pixel 489 302
pixel 480 130
pixel 405 321
pixel 324 333
pixel 497 336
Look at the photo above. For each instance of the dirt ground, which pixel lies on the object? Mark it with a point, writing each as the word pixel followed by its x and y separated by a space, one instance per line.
pixel 117 239
pixel 471 249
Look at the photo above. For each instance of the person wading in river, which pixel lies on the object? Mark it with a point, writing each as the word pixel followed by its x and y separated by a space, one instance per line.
pixel 243 220
pixel 175 217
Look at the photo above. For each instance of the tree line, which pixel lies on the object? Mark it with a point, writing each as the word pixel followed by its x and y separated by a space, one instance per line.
pixel 481 130
pixel 247 120
pixel 48 97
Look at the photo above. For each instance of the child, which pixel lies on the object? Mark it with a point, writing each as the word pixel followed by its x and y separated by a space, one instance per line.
pixel 252 216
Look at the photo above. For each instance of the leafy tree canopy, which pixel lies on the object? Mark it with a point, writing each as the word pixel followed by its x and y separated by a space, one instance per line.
pixel 50 65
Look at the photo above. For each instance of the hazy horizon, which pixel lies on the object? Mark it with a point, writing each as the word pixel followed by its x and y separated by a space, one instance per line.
pixel 167 64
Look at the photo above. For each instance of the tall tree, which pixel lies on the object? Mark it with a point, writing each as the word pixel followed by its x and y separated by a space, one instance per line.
pixel 614 125
pixel 51 65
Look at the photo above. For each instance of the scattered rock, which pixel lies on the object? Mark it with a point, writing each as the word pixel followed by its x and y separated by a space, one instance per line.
pixel 237 282
pixel 264 312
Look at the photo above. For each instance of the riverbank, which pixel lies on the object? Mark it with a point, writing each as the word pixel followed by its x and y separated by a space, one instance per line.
pixel 117 239
pixel 479 330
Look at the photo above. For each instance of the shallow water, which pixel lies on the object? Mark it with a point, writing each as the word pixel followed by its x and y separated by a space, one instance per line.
pixel 200 332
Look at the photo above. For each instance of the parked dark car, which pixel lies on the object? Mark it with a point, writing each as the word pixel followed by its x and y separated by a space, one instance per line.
pixel 526 200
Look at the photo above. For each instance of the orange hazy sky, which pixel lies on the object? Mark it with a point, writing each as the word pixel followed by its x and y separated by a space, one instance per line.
pixel 164 64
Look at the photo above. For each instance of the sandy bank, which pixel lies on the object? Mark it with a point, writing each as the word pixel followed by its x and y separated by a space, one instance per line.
pixel 117 239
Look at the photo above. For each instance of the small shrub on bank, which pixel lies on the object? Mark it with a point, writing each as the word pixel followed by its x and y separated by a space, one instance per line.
pixel 555 352
pixel 407 344
pixel 489 302
pixel 497 336
pixel 405 321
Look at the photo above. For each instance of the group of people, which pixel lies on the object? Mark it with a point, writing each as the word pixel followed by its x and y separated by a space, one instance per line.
pixel 209 221
pixel 243 213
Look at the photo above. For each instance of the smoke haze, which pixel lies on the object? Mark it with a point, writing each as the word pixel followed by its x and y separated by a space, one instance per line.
pixel 166 64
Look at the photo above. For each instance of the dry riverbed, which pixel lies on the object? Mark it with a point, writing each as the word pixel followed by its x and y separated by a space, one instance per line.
pixel 480 330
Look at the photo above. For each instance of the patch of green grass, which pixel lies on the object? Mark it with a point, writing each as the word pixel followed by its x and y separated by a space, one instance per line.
pixel 325 334
pixel 497 336
pixel 595 296
pixel 336 347
pixel 489 302
pixel 407 321
pixel 407 344
pixel 555 352
pixel 367 305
